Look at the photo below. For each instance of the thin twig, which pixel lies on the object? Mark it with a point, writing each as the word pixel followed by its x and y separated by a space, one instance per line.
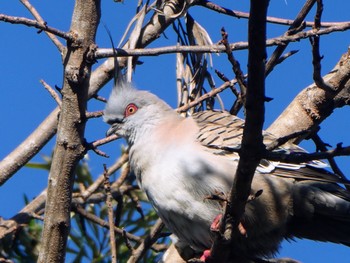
pixel 282 140
pixel 92 217
pixel 99 98
pixel 52 92
pixel 98 182
pixel 316 62
pixel 295 27
pixel 149 240
pixel 316 57
pixel 93 145
pixel 36 24
pixel 135 200
pixel 238 72
pixel 269 19
pixel 127 242
pixel 206 96
pixel 51 35
pixel 124 174
pixel 109 200
pixel 285 56
pixel 323 148
pixel 305 157
pixel 94 114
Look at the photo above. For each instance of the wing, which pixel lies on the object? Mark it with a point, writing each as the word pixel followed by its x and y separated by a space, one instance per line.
pixel 222 133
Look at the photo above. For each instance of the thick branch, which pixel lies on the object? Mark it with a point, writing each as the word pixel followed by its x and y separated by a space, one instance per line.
pixel 313 105
pixel 70 146
pixel 29 147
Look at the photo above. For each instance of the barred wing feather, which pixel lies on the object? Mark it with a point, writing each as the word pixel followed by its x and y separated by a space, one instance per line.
pixel 222 133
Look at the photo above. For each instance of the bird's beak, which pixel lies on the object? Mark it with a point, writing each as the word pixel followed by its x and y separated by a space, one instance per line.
pixel 112 130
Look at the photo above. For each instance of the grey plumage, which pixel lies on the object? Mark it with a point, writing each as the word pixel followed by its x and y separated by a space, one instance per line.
pixel 179 161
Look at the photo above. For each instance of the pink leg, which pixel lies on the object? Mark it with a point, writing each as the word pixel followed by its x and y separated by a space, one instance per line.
pixel 206 255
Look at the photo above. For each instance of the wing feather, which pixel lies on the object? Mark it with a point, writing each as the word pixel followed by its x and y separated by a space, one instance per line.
pixel 222 133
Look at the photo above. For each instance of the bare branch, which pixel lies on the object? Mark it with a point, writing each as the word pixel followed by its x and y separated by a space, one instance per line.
pixel 103 223
pixel 95 114
pixel 252 141
pixel 70 146
pixel 109 199
pixel 210 94
pixel 321 146
pixel 52 92
pixel 269 19
pixel 36 24
pixel 316 57
pixel 98 182
pixel 238 72
pixel 313 105
pixel 29 147
pixel 37 16
pixel 296 26
pixel 305 157
pixel 282 40
pixel 149 240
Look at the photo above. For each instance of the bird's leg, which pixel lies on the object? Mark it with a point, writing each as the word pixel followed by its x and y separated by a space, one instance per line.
pixel 215 225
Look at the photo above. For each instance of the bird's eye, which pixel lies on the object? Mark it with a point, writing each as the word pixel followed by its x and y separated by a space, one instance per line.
pixel 130 109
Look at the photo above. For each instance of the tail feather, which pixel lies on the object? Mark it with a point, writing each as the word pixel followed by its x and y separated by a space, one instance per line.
pixel 321 212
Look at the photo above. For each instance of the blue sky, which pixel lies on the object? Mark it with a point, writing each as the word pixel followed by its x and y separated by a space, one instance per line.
pixel 27 57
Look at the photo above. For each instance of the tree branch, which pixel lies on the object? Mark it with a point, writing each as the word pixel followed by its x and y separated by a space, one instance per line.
pixel 295 26
pixel 36 24
pixel 239 14
pixel 313 105
pixel 282 40
pixel 37 16
pixel 147 242
pixel 252 141
pixel 70 146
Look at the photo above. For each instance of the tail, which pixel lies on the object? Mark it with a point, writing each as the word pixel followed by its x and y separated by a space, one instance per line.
pixel 321 212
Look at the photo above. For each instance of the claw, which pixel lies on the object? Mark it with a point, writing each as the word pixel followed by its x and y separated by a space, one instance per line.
pixel 215 226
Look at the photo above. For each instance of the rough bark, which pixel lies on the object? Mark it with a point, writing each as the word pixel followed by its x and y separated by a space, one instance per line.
pixel 313 104
pixel 70 136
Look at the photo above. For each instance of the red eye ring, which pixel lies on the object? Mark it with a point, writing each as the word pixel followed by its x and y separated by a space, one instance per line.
pixel 130 109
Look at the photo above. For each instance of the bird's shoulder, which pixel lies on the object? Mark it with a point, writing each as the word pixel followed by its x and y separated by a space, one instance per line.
pixel 219 129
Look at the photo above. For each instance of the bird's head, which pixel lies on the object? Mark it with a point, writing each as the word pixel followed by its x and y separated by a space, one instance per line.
pixel 130 111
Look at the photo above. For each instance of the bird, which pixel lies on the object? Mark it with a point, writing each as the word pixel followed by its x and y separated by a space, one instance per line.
pixel 180 161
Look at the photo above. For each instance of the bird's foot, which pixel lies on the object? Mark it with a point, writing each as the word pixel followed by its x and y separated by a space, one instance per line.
pixel 215 226
pixel 206 255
